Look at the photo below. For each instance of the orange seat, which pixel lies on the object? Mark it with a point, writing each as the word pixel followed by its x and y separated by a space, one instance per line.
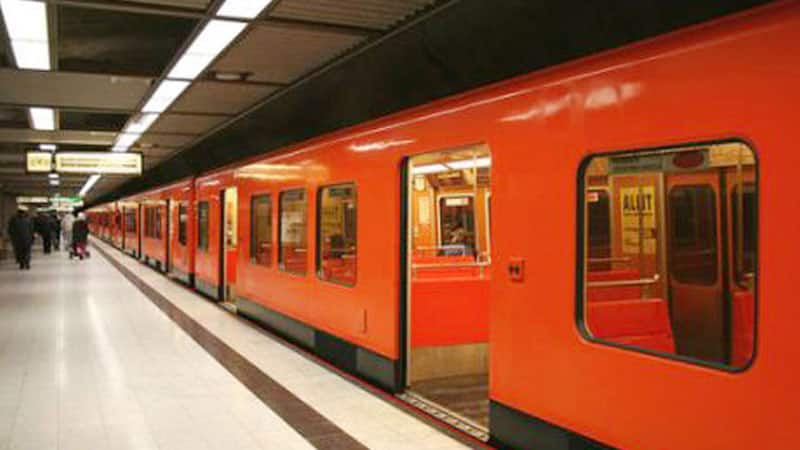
pixel 642 323
pixel 743 322
pixel 612 292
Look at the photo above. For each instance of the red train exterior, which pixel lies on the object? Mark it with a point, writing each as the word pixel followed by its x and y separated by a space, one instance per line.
pixel 551 386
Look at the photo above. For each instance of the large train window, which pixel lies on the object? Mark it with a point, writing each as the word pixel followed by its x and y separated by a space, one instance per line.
pixel 183 216
pixel 292 235
pixel 457 224
pixel 669 245
pixel 202 225
pixel 157 222
pixel 261 229
pixel 336 224
pixel 130 221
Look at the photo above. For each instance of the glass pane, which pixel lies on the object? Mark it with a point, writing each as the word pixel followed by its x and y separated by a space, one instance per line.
pixel 293 216
pixel 457 224
pixel 202 225
pixel 693 234
pixel 669 251
pixel 337 234
pixel 182 223
pixel 261 230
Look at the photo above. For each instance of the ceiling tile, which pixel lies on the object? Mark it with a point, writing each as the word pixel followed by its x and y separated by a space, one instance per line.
pixel 217 97
pixel 186 123
pixel 82 120
pixel 281 54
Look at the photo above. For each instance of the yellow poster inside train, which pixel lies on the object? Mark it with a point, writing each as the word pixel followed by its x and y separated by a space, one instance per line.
pixel 638 207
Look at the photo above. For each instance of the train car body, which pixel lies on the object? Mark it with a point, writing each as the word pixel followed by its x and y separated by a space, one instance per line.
pixel 611 282
pixel 180 204
pixel 154 230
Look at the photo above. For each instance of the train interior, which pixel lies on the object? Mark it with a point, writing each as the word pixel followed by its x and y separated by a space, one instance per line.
pixel 449 245
pixel 670 251
pixel 228 253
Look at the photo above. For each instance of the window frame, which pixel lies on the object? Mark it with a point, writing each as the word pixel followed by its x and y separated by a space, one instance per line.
pixel 252 256
pixel 281 265
pixel 318 234
pixel 581 240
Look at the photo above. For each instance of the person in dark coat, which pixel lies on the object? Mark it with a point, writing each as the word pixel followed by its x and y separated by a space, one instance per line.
pixel 55 231
pixel 20 229
pixel 44 228
pixel 80 235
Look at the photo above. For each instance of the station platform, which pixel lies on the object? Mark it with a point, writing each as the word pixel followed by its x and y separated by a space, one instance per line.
pixel 106 353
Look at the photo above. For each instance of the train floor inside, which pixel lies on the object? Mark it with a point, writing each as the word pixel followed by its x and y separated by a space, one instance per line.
pixel 465 395
pixel 106 353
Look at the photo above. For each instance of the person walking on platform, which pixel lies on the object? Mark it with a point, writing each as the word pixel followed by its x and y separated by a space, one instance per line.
pixel 20 229
pixel 66 231
pixel 80 235
pixel 55 230
pixel 43 227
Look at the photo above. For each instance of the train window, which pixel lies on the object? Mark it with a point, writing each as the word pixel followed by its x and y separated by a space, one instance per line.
pixel 148 222
pixel 183 216
pixel 130 221
pixel 261 229
pixel 157 222
pixel 336 225
pixel 202 225
pixel 292 235
pixel 457 224
pixel 669 247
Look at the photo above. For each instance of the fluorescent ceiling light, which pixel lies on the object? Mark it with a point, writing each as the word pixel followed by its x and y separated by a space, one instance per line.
pixel 141 123
pixel 54 182
pixel 89 185
pixel 164 95
pixel 48 147
pixel 43 118
pixel 53 176
pixel 485 161
pixel 243 9
pixel 430 168
pixel 26 22
pixel 125 141
pixel 215 37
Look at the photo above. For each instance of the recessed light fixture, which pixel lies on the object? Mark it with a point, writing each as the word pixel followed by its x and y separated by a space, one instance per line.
pixel 43 118
pixel 54 182
pixel 53 176
pixel 26 22
pixel 164 95
pixel 48 147
pixel 89 185
pixel 229 76
pixel 212 40
pixel 243 9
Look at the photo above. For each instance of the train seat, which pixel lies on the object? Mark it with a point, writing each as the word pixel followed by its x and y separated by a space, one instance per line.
pixel 743 320
pixel 641 322
pixel 613 292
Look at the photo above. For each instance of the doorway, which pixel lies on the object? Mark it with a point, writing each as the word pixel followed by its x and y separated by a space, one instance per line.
pixel 447 305
pixel 229 246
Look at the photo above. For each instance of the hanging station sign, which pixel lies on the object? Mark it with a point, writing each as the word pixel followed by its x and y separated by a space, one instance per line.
pixel 99 163
pixel 39 162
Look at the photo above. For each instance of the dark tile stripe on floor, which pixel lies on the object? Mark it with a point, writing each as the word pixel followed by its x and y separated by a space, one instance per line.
pixel 315 428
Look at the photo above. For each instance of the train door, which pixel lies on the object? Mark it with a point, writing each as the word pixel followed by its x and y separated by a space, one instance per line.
pixel 695 264
pixel 228 238
pixel 139 229
pixel 448 276
pixel 168 237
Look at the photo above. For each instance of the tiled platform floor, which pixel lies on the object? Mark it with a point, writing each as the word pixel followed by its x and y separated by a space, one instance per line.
pixel 88 362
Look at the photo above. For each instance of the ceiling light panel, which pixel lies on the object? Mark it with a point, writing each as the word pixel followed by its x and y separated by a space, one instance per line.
pixel 242 9
pixel 89 185
pixel 26 22
pixel 165 95
pixel 429 168
pixel 125 141
pixel 485 161
pixel 141 123
pixel 48 147
pixel 215 37
pixel 43 118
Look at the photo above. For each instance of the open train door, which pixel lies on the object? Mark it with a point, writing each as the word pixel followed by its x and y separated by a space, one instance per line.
pixel 696 262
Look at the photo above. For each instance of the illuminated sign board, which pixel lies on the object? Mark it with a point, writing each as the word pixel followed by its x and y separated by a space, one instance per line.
pixel 24 200
pixel 39 162
pixel 99 163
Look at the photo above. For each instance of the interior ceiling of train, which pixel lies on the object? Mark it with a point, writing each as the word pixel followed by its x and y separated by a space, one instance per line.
pixel 288 72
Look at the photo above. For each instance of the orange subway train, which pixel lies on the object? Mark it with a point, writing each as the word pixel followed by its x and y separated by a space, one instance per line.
pixel 589 256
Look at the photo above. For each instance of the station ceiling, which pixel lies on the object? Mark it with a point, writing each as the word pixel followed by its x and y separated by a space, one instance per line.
pixel 299 69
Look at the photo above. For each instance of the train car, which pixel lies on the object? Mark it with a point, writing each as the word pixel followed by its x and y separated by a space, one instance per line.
pixel 129 211
pixel 154 233
pixel 215 254
pixel 569 259
pixel 180 230
pixel 116 225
